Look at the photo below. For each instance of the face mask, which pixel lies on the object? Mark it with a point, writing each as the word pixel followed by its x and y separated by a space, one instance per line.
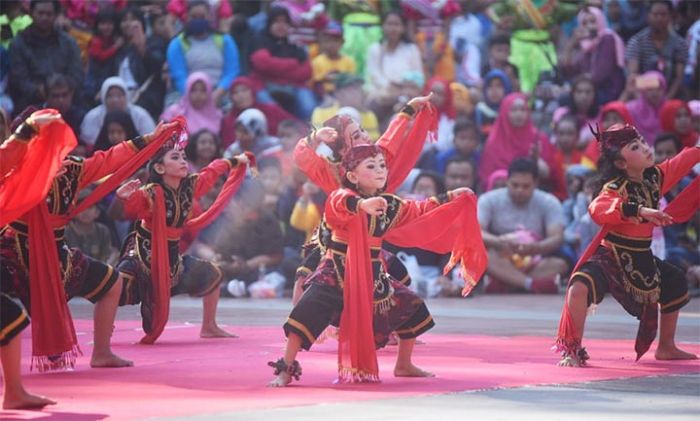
pixel 197 27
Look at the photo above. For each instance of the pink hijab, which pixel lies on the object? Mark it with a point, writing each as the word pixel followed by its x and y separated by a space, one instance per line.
pixel 645 115
pixel 589 44
pixel 208 117
pixel 505 142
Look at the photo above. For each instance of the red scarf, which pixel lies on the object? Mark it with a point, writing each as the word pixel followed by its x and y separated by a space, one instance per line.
pixel 681 209
pixel 451 227
pixel 54 344
pixel 31 179
pixel 160 232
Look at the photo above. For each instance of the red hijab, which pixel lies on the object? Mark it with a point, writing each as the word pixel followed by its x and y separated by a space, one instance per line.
pixel 506 142
pixel 668 121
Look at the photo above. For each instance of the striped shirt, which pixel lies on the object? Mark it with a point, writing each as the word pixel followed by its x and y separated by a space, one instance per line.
pixel 642 48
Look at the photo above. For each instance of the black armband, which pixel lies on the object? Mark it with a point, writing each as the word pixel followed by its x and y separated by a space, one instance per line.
pixel 139 142
pixel 25 132
pixel 408 110
pixel 232 162
pixel 352 203
pixel 443 198
pixel 630 209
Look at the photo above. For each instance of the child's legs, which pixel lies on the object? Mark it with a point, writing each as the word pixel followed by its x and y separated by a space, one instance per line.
pixel 587 286
pixel 674 295
pixel 201 278
pixel 318 307
pixel 14 320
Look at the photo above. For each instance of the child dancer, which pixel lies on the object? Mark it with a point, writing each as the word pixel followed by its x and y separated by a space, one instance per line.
pixel 351 287
pixel 151 261
pixel 401 144
pixel 45 273
pixel 20 154
pixel 619 259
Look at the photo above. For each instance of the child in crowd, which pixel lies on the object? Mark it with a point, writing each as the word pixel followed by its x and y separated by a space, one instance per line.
pixel 330 62
pixel 289 132
pixel 117 127
pixel 496 86
pixel 103 47
pixel 202 149
pixel 89 236
pixel 466 145
pixel 566 138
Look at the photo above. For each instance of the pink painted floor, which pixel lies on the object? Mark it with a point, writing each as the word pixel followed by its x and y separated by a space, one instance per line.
pixel 185 375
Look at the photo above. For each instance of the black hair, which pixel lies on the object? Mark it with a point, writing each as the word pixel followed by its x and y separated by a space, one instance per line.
pixel 667 3
pixel 499 38
pixel 404 38
pixel 55 80
pixel 120 117
pixel 135 12
pixel 458 159
pixel 437 179
pixel 463 124
pixel 191 4
pixel 668 137
pixel 274 13
pixel 568 116
pixel 607 170
pixel 107 14
pixel 593 111
pixel 191 148
pixel 56 5
pixel 523 166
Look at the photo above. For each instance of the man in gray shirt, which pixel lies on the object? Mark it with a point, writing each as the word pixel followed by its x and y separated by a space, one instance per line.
pixel 523 229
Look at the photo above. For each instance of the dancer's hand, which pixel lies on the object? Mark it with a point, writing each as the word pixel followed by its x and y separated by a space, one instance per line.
pixel 160 128
pixel 656 217
pixel 460 191
pixel 242 159
pixel 375 206
pixel 125 191
pixel 42 118
pixel 326 135
pixel 419 101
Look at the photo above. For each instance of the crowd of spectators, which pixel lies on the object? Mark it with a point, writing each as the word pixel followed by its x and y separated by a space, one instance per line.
pixel 516 89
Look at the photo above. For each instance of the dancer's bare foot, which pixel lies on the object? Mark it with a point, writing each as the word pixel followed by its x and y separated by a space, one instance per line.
pixel 282 380
pixel 109 360
pixel 411 371
pixel 215 332
pixel 25 400
pixel 673 353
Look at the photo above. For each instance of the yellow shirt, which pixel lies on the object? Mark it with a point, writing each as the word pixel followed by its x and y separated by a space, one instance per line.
pixel 369 120
pixel 322 66
pixel 305 218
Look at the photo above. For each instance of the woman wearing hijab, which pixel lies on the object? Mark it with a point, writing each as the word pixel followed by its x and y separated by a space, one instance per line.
pixel 676 118
pixel 197 105
pixel 597 50
pixel 515 136
pixel 646 108
pixel 282 67
pixel 113 97
pixel 243 97
pixel 496 86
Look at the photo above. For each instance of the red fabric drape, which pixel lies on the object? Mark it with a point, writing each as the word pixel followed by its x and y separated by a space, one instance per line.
pixel 54 345
pixel 160 263
pixel 684 206
pixel 452 227
pixel 31 179
pixel 357 357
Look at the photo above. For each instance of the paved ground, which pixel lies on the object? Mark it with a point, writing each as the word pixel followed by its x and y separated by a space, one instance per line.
pixel 649 398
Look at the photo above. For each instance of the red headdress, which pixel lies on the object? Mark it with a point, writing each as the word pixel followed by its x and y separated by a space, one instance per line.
pixel 359 153
pixel 340 122
pixel 616 137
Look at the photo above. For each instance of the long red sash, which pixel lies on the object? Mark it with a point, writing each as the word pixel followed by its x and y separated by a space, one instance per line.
pixel 54 345
pixel 160 262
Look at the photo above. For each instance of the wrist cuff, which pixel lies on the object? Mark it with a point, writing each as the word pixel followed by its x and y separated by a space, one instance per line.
pixel 630 209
